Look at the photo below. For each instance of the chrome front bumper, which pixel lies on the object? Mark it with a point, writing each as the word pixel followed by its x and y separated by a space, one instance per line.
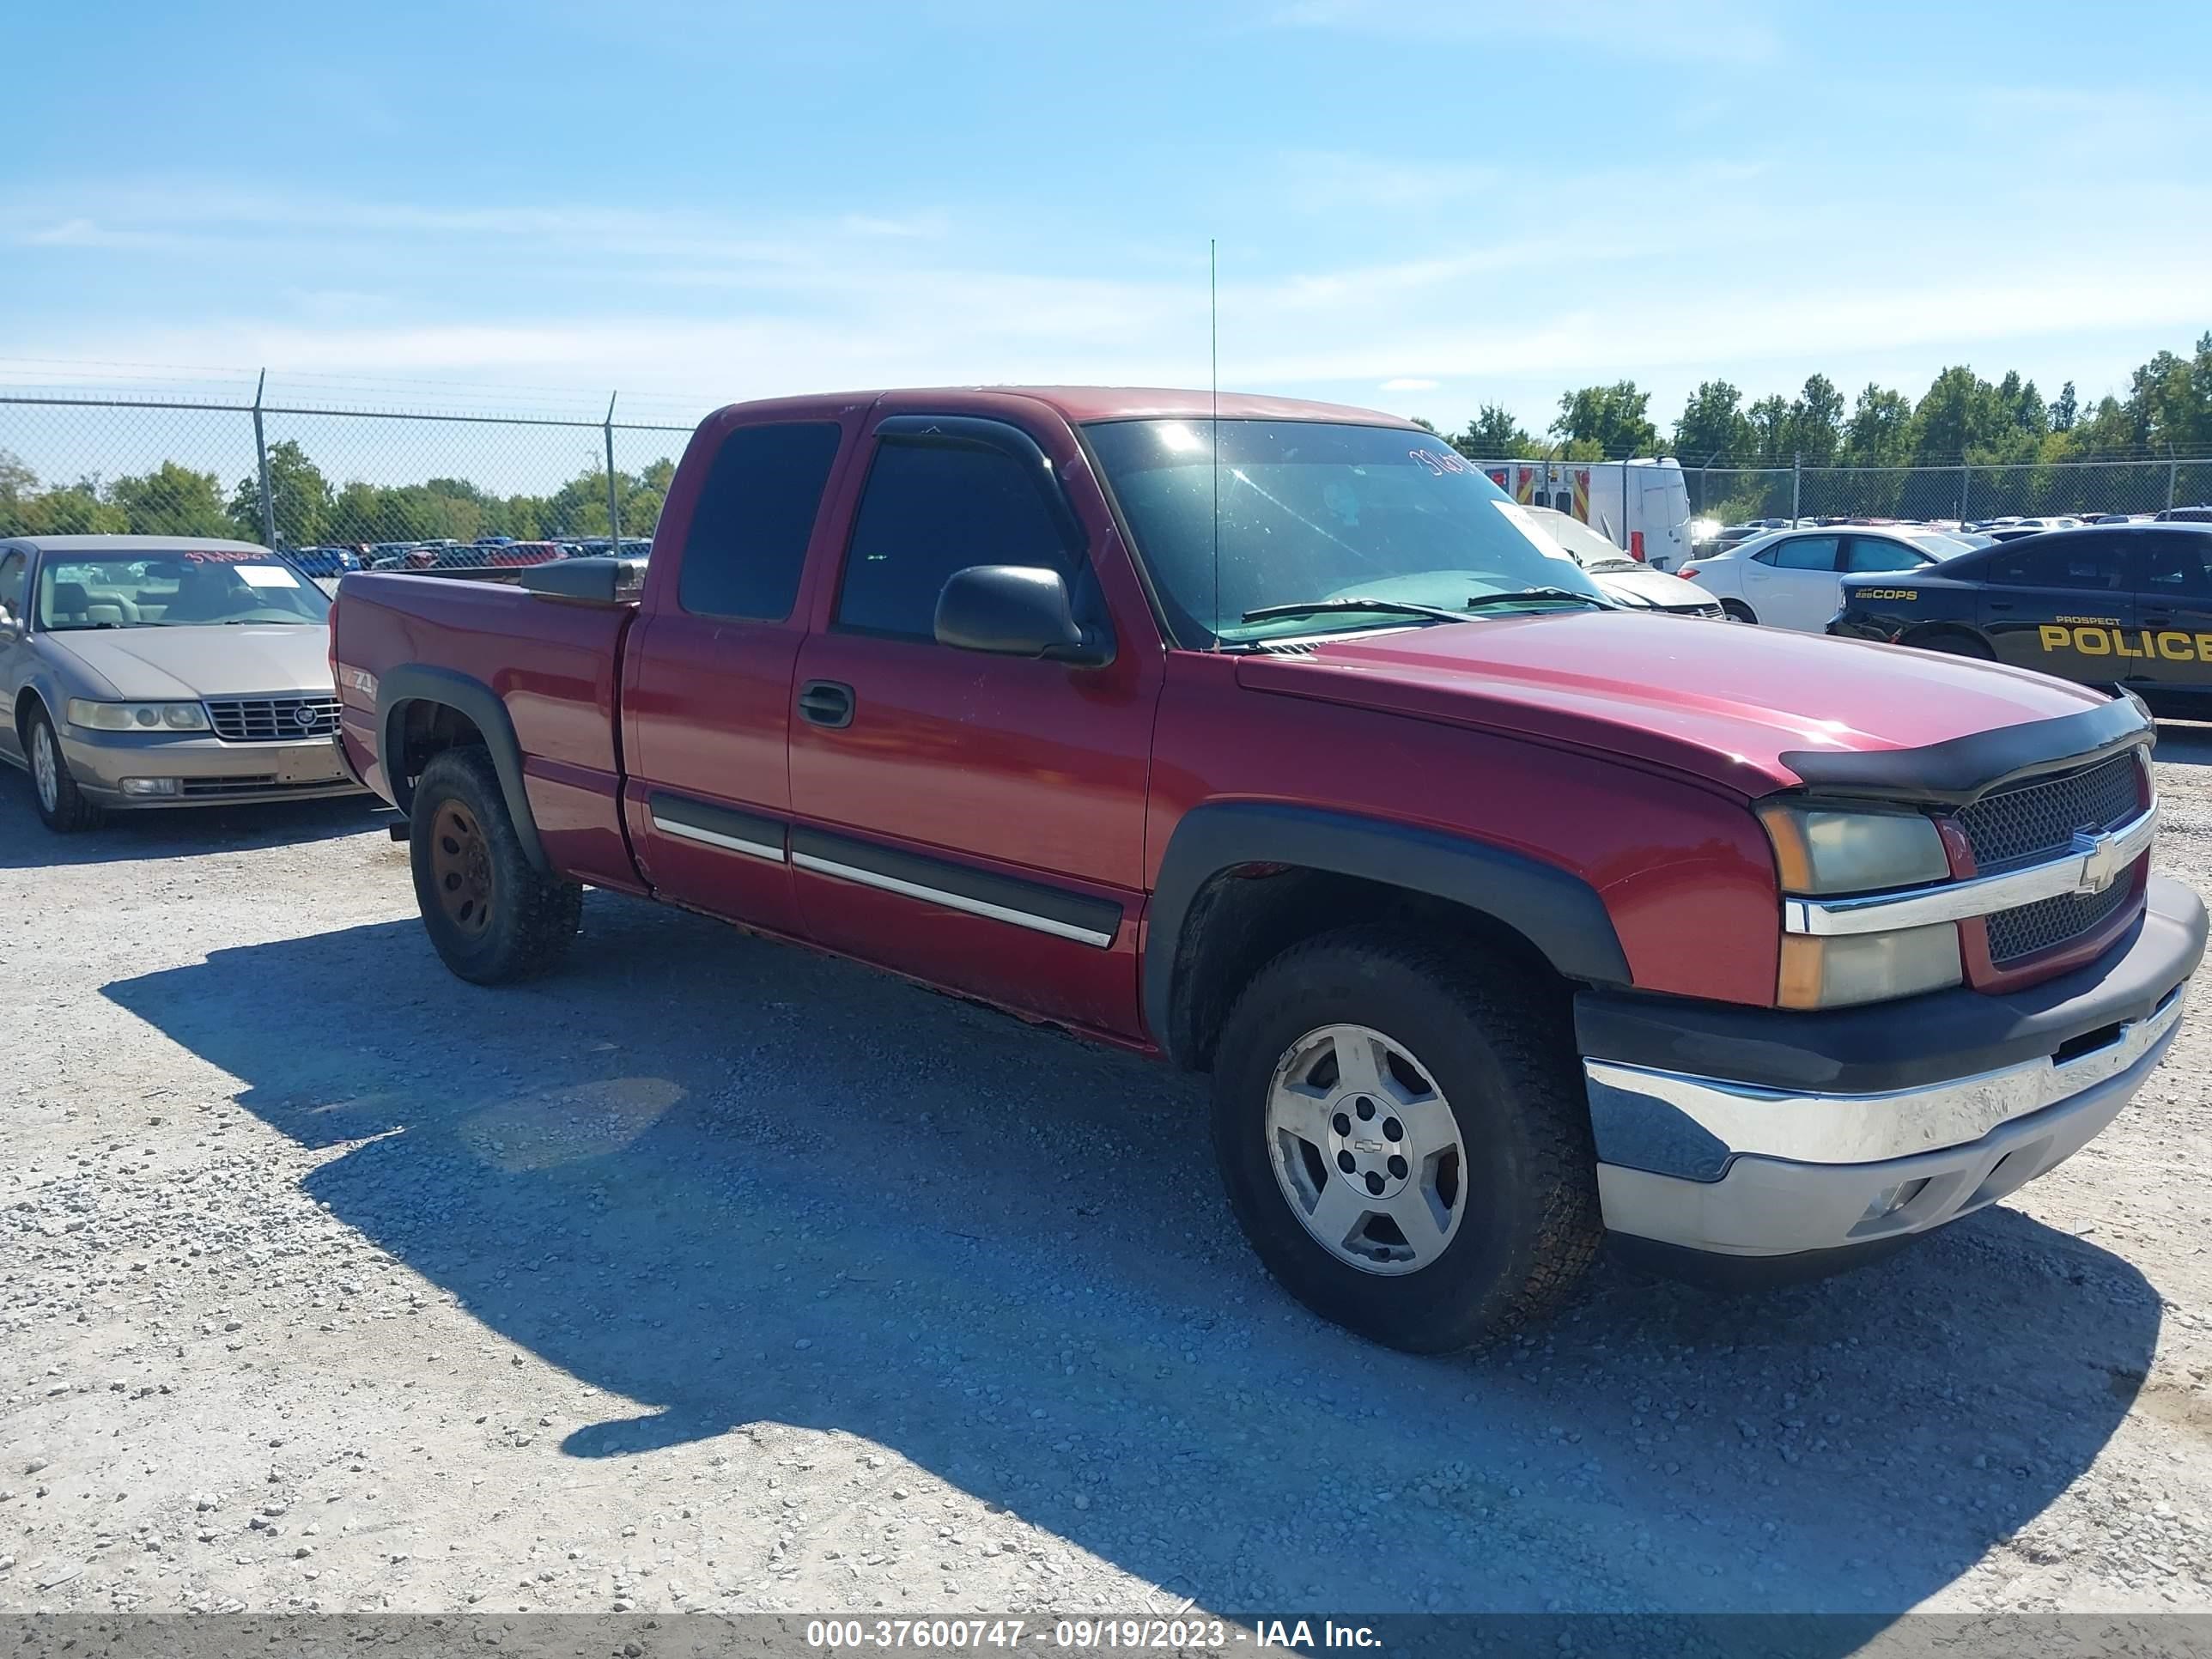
pixel 1765 1172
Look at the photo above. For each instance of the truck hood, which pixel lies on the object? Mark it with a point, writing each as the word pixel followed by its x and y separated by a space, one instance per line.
pixel 1718 699
pixel 187 664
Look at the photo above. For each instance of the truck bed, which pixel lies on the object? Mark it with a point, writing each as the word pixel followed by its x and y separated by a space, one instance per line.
pixel 554 666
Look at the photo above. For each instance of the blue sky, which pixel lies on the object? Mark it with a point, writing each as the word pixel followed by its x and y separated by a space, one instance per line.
pixel 1423 209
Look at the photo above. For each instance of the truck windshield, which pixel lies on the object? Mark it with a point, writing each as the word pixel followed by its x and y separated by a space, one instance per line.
pixel 1312 511
pixel 174 590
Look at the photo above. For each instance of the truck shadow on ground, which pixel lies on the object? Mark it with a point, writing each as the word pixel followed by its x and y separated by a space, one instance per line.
pixel 182 832
pixel 735 1183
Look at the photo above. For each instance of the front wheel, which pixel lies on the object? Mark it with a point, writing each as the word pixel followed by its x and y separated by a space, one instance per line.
pixel 492 915
pixel 1404 1142
pixel 62 805
pixel 1738 610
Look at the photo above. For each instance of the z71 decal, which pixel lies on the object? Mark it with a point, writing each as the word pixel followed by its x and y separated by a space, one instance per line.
pixel 2141 643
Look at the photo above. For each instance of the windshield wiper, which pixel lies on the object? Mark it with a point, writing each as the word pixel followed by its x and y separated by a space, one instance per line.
pixel 1531 595
pixel 1318 607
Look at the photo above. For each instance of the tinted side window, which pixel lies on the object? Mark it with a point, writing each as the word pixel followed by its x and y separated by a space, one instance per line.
pixel 930 509
pixel 1872 553
pixel 1803 553
pixel 2173 567
pixel 2089 563
pixel 749 530
pixel 12 568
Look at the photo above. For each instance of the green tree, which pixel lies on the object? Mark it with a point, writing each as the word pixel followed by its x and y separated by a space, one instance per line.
pixel 1769 420
pixel 1712 427
pixel 172 501
pixel 1879 431
pixel 1815 427
pixel 74 510
pixel 1494 435
pixel 2170 399
pixel 302 498
pixel 1426 426
pixel 1613 417
pixel 2064 411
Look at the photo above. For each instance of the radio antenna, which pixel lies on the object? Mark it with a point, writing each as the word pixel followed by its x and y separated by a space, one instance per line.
pixel 1213 432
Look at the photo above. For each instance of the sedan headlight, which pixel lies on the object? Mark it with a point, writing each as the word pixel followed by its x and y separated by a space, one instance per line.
pixel 136 716
pixel 1819 852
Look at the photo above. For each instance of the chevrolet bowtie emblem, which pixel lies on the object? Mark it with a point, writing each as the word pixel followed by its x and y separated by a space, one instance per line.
pixel 2100 861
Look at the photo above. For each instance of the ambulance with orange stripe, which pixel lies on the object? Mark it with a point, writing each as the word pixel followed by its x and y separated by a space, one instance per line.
pixel 2126 605
pixel 1642 507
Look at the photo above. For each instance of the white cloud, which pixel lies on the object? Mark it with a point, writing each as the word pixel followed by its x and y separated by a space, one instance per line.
pixel 1401 383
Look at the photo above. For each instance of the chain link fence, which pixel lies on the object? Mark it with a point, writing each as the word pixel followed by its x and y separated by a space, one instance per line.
pixel 340 488
pixel 1965 494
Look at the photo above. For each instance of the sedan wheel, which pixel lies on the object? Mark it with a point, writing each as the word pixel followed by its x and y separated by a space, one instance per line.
pixel 45 768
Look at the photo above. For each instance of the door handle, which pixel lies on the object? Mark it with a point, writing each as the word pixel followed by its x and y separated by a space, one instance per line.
pixel 826 702
pixel 2158 621
pixel 2000 605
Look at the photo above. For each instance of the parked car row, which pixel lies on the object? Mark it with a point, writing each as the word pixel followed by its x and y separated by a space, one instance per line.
pixel 325 562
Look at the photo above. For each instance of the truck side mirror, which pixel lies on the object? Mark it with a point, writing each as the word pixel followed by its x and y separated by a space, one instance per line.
pixel 1016 611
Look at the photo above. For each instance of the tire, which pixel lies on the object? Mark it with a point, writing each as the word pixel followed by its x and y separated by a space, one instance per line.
pixel 1523 1212
pixel 1958 645
pixel 493 916
pixel 1740 611
pixel 62 805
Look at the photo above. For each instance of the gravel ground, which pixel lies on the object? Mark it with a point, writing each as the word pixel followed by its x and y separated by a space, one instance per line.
pixel 713 1274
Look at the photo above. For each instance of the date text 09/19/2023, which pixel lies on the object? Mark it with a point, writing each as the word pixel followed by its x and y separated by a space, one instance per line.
pixel 1088 1635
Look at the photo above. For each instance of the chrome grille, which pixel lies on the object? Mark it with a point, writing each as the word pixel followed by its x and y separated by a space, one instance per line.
pixel 2032 821
pixel 273 719
pixel 2053 921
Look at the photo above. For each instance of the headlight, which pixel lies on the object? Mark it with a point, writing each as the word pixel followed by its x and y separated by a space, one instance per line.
pixel 1819 852
pixel 137 716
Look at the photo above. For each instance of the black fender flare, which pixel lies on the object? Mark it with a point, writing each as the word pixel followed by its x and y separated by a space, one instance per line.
pixel 416 682
pixel 1557 911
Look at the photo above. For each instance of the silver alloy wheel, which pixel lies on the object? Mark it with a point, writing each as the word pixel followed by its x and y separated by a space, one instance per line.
pixel 1366 1149
pixel 46 768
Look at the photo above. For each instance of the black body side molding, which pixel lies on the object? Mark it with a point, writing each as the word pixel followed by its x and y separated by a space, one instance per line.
pixel 1559 913
pixel 415 683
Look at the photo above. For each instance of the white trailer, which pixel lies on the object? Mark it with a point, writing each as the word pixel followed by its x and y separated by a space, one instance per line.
pixel 1643 507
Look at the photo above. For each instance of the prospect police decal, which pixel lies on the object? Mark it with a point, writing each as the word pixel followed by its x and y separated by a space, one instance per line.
pixel 2102 639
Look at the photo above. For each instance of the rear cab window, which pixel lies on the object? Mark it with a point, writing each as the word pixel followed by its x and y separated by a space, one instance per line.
pixel 747 544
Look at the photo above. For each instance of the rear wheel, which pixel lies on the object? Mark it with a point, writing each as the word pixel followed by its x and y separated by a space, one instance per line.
pixel 492 915
pixel 1740 612
pixel 1403 1140
pixel 62 805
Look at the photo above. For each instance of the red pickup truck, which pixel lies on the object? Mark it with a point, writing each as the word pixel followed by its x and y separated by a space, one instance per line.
pixel 1275 741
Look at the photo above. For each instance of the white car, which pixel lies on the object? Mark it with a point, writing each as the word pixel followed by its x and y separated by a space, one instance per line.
pixel 1795 578
pixel 1620 578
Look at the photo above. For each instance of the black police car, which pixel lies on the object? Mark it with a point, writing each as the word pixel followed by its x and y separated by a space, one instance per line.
pixel 2129 604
